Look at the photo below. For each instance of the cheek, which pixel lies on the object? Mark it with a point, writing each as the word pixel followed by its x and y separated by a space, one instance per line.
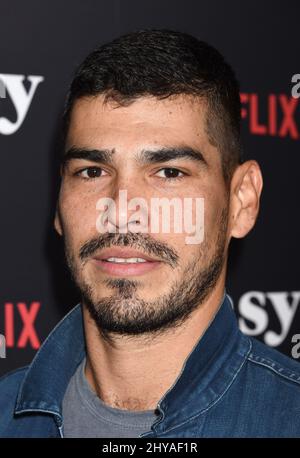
pixel 215 222
pixel 78 216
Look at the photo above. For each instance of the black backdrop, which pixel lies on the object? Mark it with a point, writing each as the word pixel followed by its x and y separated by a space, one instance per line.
pixel 41 43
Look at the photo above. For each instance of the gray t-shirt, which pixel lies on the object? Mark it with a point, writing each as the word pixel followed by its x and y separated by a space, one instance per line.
pixel 86 415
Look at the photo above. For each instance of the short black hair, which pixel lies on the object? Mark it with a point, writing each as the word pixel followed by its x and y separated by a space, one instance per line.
pixel 165 63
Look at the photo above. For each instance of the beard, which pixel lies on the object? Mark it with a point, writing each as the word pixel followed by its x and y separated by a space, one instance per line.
pixel 124 312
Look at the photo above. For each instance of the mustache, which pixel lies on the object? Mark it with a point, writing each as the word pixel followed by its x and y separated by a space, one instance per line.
pixel 133 240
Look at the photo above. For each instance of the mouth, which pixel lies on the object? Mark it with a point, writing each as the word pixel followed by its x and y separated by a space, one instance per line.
pixel 125 262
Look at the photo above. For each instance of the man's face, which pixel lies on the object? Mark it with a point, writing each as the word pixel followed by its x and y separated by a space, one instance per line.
pixel 143 151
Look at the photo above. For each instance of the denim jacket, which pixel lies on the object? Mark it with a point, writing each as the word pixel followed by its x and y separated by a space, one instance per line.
pixel 230 385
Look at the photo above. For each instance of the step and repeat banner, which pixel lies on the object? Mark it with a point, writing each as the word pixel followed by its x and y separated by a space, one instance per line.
pixel 41 44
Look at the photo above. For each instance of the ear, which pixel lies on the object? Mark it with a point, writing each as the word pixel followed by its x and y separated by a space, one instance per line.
pixel 246 187
pixel 57 222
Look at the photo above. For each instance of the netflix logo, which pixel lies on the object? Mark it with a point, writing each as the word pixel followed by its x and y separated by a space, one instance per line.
pixel 21 317
pixel 273 115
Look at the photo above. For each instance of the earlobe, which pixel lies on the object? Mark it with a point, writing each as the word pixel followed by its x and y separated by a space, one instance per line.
pixel 247 185
pixel 57 222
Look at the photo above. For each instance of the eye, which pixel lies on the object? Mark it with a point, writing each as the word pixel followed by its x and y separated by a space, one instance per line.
pixel 89 173
pixel 171 174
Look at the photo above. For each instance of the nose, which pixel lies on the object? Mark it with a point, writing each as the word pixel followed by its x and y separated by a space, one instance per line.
pixel 125 212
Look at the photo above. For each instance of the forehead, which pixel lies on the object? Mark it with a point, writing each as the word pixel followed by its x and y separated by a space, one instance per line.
pixel 148 121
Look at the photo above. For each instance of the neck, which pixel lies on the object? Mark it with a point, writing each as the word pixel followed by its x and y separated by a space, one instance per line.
pixel 134 372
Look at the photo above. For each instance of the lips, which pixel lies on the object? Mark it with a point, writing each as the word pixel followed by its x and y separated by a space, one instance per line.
pixel 124 268
pixel 123 253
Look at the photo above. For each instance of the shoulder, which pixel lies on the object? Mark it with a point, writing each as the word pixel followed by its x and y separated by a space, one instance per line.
pixel 274 364
pixel 9 380
pixel 9 388
pixel 272 382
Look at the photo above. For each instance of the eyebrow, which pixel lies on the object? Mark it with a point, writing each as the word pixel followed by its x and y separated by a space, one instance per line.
pixel 169 154
pixel 93 155
pixel 143 157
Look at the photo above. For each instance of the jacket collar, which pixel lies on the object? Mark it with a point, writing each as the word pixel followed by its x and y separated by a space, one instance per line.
pixel 207 372
pixel 50 371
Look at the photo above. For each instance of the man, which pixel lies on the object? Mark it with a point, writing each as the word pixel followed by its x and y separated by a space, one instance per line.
pixel 153 349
